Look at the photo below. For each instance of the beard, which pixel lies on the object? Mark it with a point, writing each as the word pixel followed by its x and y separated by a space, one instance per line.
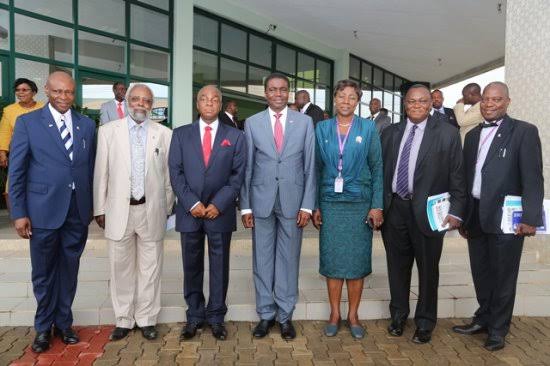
pixel 138 115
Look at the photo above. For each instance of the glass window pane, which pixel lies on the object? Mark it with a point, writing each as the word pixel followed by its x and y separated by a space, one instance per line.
pixel 1 81
pixel 149 26
pixel 388 81
pixel 398 81
pixel 37 72
pixel 104 15
pixel 95 92
pixel 322 96
pixel 149 63
pixel 4 30
pixel 397 118
pixel 306 66
pixel 260 51
pixel 233 42
pixel 367 93
pixel 377 94
pixel 4 2
pixel 354 68
pixel 162 4
pixel 323 70
pixel 205 32
pixel 256 77
pixel 397 103
pixel 286 60
pixel 388 101
pixel 58 9
pixel 366 72
pixel 100 52
pixel 292 89
pixel 205 68
pixel 365 111
pixel 377 77
pixel 43 39
pixel 233 75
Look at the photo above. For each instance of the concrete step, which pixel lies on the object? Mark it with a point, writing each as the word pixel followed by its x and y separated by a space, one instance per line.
pixel 93 304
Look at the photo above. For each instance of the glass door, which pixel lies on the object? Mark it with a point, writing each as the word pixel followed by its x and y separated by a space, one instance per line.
pixel 94 89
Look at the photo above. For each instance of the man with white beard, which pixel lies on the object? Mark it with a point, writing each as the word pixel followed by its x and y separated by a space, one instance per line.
pixel 132 200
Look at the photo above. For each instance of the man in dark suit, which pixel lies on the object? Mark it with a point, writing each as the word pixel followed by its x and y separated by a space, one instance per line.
pixel 502 156
pixel 437 104
pixel 207 163
pixel 50 174
pixel 229 115
pixel 304 105
pixel 422 157
pixel 380 119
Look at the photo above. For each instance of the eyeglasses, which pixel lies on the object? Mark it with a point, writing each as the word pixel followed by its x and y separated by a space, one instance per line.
pixel 144 100
pixel 22 90
pixel 59 92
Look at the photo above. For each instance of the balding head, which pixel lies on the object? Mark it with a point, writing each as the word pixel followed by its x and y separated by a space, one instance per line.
pixel 500 85
pixel 209 103
pixel 60 91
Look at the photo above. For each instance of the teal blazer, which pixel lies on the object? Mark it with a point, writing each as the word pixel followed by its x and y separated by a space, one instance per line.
pixel 362 163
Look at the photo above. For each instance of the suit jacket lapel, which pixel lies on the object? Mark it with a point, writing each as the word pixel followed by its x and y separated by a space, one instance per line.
pixel 427 140
pixel 220 135
pixel 397 137
pixel 123 138
pixel 51 127
pixel 197 142
pixel 77 135
pixel 151 144
pixel 289 127
pixel 501 137
pixel 269 131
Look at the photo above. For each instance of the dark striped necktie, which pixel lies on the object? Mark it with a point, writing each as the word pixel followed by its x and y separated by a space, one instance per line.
pixel 66 137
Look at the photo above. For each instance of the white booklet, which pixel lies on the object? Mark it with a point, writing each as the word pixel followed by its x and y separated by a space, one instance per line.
pixel 512 211
pixel 437 209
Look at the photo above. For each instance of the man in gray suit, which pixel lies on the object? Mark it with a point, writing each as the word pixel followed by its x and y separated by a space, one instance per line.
pixel 277 199
pixel 116 108
pixel 382 120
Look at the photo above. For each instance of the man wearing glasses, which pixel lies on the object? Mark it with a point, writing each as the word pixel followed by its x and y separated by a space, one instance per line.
pixel 132 200
pixel 422 158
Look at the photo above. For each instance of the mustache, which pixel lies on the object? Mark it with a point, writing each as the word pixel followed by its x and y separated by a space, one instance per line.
pixel 139 114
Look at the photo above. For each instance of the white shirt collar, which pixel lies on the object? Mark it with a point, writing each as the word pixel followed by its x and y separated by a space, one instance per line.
pixel 132 123
pixel 57 115
pixel 374 116
pixel 304 108
pixel 420 125
pixel 272 114
pixel 213 125
pixel 229 115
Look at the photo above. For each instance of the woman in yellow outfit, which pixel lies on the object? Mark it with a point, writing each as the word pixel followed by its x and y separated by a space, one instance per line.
pixel 25 90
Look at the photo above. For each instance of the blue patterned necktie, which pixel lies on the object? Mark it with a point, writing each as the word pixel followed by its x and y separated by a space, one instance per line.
pixel 402 181
pixel 66 137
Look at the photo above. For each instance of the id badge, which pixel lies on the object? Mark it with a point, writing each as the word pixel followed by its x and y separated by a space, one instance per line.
pixel 339 185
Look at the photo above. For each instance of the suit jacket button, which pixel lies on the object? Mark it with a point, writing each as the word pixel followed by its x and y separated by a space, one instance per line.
pixel 277 178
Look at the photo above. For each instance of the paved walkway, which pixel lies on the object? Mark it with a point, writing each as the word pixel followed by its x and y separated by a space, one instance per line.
pixel 527 344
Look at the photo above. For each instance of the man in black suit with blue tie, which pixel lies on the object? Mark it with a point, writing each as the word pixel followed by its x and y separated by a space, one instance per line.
pixel 502 156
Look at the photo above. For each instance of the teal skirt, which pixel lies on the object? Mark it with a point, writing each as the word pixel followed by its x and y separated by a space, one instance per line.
pixel 345 240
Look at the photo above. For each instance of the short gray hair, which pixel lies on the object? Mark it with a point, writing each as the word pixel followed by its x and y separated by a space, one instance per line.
pixel 210 86
pixel 498 84
pixel 140 85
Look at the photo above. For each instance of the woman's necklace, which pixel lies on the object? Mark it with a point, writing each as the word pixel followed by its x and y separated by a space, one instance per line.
pixel 344 124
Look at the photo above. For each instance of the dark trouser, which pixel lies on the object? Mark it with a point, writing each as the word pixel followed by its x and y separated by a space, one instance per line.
pixel 55 258
pixel 192 248
pixel 404 243
pixel 495 260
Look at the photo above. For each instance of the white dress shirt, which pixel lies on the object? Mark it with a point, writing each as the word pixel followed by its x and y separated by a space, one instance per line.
pixel 485 140
pixel 57 118
pixel 304 108
pixel 373 117
pixel 282 119
pixel 415 147
pixel 138 143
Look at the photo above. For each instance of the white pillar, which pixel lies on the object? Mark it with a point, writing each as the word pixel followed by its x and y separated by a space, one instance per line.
pixel 182 74
pixel 527 63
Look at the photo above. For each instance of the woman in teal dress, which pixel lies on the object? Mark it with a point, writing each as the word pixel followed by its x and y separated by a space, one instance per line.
pixel 349 178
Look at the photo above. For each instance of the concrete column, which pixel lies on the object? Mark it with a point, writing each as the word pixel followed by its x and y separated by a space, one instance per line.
pixel 182 74
pixel 527 62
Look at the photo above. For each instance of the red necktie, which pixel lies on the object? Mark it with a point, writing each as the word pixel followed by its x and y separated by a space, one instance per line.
pixel 119 110
pixel 207 145
pixel 278 132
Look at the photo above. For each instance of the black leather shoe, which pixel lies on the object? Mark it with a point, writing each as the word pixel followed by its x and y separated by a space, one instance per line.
pixel 218 331
pixel 262 328
pixel 41 342
pixel 422 336
pixel 469 329
pixel 396 328
pixel 119 333
pixel 190 330
pixel 494 343
pixel 68 336
pixel 287 330
pixel 149 332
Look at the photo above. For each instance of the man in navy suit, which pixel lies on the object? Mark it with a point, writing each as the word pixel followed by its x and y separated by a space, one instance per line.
pixel 51 169
pixel 207 162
